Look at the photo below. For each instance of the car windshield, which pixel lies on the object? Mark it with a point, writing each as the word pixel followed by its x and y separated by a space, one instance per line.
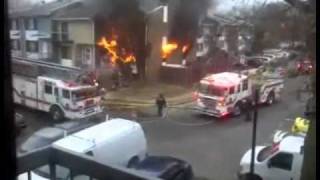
pixel 35 142
pixel 265 153
pixel 42 138
pixel 212 90
pixel 79 95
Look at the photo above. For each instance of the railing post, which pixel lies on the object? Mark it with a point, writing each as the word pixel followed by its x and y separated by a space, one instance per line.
pixel 52 167
pixel 29 175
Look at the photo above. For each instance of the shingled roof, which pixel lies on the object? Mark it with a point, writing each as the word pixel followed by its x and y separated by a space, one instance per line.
pixel 90 8
pixel 44 9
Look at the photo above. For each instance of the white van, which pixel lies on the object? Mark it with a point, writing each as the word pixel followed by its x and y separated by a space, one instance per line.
pixel 282 160
pixel 117 141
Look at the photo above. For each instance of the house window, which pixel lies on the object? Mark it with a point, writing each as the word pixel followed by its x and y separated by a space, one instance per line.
pixel 54 26
pixel 15 44
pixel 86 55
pixel 14 24
pixel 32 46
pixel 64 27
pixel 64 31
pixel 65 52
pixel 30 24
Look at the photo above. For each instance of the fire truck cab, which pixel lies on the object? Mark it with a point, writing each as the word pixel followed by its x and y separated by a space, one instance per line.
pixel 62 99
pixel 222 94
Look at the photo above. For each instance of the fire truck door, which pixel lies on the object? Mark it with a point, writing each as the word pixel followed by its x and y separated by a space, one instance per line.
pixel 48 95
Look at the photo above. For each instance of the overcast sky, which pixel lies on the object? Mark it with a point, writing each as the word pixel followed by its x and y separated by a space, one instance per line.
pixel 226 5
pixel 221 6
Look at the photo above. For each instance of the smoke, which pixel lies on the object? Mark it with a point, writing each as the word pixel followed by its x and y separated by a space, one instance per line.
pixel 125 23
pixel 185 20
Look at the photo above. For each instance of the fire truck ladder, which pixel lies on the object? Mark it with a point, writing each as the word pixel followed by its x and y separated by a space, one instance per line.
pixel 46 64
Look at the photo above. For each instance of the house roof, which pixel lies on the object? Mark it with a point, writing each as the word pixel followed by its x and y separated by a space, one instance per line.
pixel 87 9
pixel 91 8
pixel 43 9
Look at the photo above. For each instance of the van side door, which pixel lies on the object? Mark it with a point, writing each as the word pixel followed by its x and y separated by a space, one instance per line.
pixel 46 94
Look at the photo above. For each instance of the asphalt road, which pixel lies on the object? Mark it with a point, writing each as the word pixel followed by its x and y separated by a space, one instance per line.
pixel 214 147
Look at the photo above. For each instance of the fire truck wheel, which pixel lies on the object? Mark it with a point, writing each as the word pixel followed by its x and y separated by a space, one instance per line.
pixel 270 98
pixel 237 110
pixel 56 113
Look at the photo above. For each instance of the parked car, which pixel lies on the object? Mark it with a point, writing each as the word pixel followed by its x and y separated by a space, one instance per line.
pixel 165 167
pixel 46 136
pixel 304 66
pixel 281 160
pixel 271 58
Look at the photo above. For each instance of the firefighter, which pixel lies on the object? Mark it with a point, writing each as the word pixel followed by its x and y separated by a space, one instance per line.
pixel 161 104
pixel 247 106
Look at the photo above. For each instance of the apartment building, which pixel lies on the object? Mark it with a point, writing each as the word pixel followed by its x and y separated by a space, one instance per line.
pixel 30 31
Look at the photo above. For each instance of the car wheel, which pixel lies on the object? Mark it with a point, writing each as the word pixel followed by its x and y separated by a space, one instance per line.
pixel 133 161
pixel 237 110
pixel 270 98
pixel 249 177
pixel 56 114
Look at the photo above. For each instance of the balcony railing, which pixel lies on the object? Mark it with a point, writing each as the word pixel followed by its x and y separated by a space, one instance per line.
pixel 60 37
pixel 81 164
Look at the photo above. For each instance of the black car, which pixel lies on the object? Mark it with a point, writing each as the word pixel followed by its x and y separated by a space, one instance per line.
pixel 165 167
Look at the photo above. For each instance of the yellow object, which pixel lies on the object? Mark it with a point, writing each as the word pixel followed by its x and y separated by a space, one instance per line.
pixel 300 125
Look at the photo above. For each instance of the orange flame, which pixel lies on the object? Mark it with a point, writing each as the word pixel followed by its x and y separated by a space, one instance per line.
pixel 111 46
pixel 167 49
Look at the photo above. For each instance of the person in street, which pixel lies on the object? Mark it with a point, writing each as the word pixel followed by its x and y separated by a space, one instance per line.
pixel 247 107
pixel 161 104
pixel 115 78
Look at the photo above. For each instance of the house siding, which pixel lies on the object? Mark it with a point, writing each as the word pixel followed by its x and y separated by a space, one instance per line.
pixel 44 25
pixel 81 32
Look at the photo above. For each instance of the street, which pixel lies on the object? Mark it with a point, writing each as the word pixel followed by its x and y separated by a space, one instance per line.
pixel 212 146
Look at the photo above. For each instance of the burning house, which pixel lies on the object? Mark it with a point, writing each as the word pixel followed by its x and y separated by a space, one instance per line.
pixel 98 35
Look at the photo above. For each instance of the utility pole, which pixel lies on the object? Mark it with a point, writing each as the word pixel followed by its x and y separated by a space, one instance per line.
pixel 254 132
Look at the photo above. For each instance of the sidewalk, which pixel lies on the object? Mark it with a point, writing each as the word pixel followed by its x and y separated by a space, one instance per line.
pixel 143 95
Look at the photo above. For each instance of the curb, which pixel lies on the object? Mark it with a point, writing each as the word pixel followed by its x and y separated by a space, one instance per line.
pixel 143 104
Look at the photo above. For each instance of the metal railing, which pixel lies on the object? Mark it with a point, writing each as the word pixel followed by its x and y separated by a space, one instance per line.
pixel 79 164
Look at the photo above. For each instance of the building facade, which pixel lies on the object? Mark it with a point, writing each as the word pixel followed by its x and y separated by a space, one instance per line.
pixel 30 31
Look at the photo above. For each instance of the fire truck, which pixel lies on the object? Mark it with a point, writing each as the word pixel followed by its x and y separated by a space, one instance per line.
pixel 59 96
pixel 224 93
